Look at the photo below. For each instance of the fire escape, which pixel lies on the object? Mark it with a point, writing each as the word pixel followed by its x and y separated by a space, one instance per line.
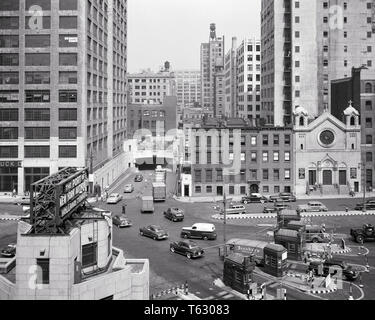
pixel 287 77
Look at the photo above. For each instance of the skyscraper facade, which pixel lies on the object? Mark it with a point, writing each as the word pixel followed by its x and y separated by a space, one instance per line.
pixel 62 86
pixel 188 88
pixel 305 45
pixel 212 61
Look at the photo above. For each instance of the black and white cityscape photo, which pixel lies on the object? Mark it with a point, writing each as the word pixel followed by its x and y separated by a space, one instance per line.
pixel 190 151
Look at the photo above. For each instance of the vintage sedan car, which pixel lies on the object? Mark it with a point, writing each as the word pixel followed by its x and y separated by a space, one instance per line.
pixel 154 232
pixel 138 178
pixel 129 188
pixel 270 210
pixel 114 198
pixel 312 206
pixel 254 198
pixel 370 205
pixel 187 248
pixel 287 197
pixel 121 221
pixel 9 251
pixel 332 266
pixel 174 214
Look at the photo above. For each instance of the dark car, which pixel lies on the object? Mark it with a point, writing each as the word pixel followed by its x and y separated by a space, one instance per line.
pixel 363 234
pixel 331 266
pixel 121 222
pixel 9 251
pixel 287 197
pixel 154 232
pixel 254 198
pixel 370 205
pixel 138 178
pixel 270 210
pixel 174 214
pixel 187 248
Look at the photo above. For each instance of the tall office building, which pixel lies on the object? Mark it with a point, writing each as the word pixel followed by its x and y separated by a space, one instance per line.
pixel 62 87
pixel 151 87
pixel 249 80
pixel 305 45
pixel 188 87
pixel 212 60
pixel 230 68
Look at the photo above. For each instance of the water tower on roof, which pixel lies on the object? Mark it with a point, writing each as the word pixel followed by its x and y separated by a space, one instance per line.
pixel 167 66
pixel 213 31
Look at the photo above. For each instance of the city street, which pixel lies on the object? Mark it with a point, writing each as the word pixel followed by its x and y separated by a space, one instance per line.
pixel 169 270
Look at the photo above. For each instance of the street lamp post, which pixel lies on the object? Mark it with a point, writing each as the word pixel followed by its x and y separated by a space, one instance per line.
pixel 363 174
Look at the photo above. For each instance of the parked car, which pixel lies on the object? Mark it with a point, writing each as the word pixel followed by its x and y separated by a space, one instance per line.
pixel 331 266
pixel 254 198
pixel 288 197
pixel 23 201
pixel 235 209
pixel 9 251
pixel 114 198
pixel 174 214
pixel 370 205
pixel 312 206
pixel 363 234
pixel 121 222
pixel 270 210
pixel 154 232
pixel 187 248
pixel 129 188
pixel 138 178
pixel 205 231
pixel 278 206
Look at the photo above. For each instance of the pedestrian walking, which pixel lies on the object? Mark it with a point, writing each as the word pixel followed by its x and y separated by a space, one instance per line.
pixel 124 209
pixel 14 193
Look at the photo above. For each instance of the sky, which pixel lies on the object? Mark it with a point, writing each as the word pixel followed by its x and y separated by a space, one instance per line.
pixel 172 30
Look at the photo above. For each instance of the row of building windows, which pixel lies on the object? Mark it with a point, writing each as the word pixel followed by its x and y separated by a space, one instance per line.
pixel 38 77
pixel 38 96
pixel 39 152
pixel 38 115
pixel 242 189
pixel 38 133
pixel 14 5
pixel 38 59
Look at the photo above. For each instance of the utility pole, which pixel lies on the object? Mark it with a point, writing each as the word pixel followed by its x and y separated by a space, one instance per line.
pixel 363 166
pixel 91 169
pixel 225 223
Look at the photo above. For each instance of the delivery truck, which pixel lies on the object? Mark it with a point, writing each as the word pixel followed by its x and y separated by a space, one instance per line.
pixel 159 191
pixel 248 248
pixel 147 204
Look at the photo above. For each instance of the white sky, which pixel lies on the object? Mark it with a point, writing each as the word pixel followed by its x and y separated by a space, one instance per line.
pixel 172 30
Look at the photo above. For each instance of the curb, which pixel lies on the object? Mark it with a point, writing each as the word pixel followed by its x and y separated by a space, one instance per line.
pixel 10 219
pixel 322 291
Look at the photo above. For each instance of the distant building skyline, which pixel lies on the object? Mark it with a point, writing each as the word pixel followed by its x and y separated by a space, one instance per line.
pixel 151 24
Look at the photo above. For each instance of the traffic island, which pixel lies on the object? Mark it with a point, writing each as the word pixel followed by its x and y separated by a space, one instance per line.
pixel 321 248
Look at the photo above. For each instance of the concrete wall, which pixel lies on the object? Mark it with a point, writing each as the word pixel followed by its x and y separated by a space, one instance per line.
pixel 7 289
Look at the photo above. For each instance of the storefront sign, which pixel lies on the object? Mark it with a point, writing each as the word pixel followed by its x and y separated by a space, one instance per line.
pixel 10 164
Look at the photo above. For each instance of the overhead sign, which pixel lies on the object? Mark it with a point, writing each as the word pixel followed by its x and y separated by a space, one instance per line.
pixel 10 164
pixel 73 193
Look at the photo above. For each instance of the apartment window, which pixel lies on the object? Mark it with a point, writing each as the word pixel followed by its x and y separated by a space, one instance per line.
pixel 287 156
pixel 253 141
pixel 68 59
pixel 9 23
pixel 276 156
pixel 209 158
pixel 37 115
pixel 37 59
pixel 37 41
pixel 9 5
pixel 37 133
pixel 68 22
pixel 8 133
pixel 9 59
pixel 40 152
pixel 369 157
pixel 266 189
pixel 276 140
pixel 209 189
pixel 198 189
pixel 69 133
pixel 287 174
pixel 68 96
pixel 68 40
pixel 37 96
pixel 9 96
pixel 265 140
pixel 253 156
pixel 68 152
pixel 287 139
pixel 265 174
pixel 68 5
pixel 42 271
pixel 369 123
pixel 68 115
pixel 8 152
pixel 243 176
pixel 219 175
pixel 231 190
pixel 9 78
pixel 368 139
pixel 276 174
pixel 68 77
pixel 9 41
pixel 198 176
pixel 265 156
pixel 46 22
pixel 254 174
pixel 8 114
pixel 89 255
pixel 37 77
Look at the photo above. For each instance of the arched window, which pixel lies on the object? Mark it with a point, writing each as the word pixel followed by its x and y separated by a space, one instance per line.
pixel 352 121
pixel 368 87
pixel 302 121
